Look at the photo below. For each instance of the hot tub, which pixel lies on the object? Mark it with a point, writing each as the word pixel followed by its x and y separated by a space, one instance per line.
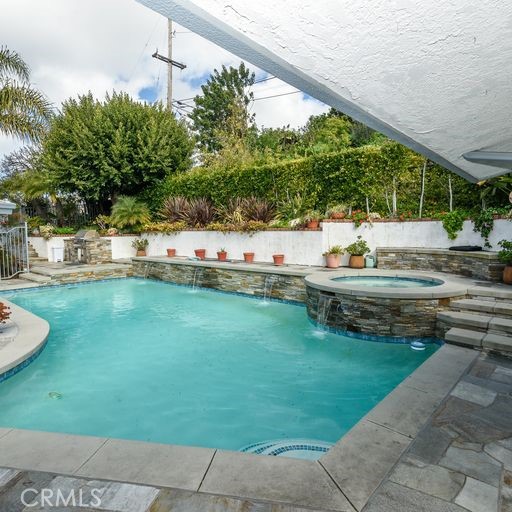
pixel 387 305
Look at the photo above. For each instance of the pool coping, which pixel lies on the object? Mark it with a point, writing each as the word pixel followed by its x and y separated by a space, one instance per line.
pixel 450 286
pixel 341 480
pixel 29 334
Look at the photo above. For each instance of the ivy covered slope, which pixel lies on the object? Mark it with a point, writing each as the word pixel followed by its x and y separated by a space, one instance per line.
pixel 350 176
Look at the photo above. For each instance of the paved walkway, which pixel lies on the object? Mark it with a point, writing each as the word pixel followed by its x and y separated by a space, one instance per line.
pixel 460 461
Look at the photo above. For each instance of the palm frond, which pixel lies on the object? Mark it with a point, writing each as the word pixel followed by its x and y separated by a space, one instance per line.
pixel 24 112
pixel 12 64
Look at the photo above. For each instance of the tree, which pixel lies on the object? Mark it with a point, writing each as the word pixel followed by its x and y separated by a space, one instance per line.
pixel 225 97
pixel 101 150
pixel 24 111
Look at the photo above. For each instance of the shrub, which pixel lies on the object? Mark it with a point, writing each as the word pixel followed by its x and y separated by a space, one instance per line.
pixel 200 213
pixel 128 212
pixel 175 208
pixel 231 212
pixel 505 255
pixel 258 209
pixel 453 222
pixel 46 231
pixel 165 227
pixel 102 221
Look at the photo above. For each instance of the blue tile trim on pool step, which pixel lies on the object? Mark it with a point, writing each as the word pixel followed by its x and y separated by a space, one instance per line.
pixel 21 366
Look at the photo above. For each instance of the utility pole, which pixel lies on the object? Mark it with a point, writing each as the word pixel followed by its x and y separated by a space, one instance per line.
pixel 170 63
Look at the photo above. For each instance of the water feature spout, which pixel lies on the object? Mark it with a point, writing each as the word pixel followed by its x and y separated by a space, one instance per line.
pixel 270 279
pixel 323 310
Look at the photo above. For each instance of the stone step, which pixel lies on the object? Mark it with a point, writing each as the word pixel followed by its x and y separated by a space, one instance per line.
pixel 464 319
pixel 497 292
pixel 499 342
pixel 465 336
pixel 484 323
pixel 495 308
pixel 36 278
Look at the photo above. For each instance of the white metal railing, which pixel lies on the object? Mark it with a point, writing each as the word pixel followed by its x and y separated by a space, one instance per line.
pixel 14 256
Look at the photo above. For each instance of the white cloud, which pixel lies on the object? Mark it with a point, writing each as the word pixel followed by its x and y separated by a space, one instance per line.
pixel 74 46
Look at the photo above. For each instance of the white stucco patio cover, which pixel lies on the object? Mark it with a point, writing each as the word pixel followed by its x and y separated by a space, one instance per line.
pixel 435 75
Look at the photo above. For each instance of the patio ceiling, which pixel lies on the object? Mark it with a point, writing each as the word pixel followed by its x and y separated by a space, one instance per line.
pixel 434 75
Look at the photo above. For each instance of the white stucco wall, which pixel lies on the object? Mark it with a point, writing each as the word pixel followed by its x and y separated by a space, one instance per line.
pixel 434 75
pixel 299 247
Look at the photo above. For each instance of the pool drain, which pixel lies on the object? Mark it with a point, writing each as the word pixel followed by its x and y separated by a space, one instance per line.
pixel 54 395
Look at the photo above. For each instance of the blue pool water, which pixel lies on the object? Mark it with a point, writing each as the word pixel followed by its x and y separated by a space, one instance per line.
pixel 146 360
pixel 387 281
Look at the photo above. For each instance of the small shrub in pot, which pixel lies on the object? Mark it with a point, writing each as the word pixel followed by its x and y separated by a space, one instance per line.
pixel 357 250
pixel 505 256
pixel 333 256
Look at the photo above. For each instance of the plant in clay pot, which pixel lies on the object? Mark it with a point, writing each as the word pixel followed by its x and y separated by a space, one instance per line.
pixel 140 245
pixel 337 211
pixel 222 255
pixel 200 253
pixel 312 219
pixel 171 253
pixel 278 259
pixel 357 250
pixel 248 257
pixel 505 256
pixel 333 256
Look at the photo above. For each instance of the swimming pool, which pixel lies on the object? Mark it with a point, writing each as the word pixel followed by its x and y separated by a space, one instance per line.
pixel 146 360
pixel 388 281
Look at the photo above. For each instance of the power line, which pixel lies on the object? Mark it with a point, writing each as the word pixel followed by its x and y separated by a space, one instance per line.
pixel 276 95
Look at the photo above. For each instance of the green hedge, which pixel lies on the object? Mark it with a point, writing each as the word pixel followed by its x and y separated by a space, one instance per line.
pixel 345 177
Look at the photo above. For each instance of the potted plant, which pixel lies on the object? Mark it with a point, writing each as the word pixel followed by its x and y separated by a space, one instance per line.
pixel 505 256
pixel 200 253
pixel 171 253
pixel 337 211
pixel 312 219
pixel 248 257
pixel 140 245
pixel 278 259
pixel 333 256
pixel 222 255
pixel 357 250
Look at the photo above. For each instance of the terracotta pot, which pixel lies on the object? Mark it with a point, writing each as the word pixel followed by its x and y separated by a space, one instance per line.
pixel 248 257
pixel 313 224
pixel 356 261
pixel 338 215
pixel 333 260
pixel 278 259
pixel 222 255
pixel 200 253
pixel 171 252
pixel 141 253
pixel 507 274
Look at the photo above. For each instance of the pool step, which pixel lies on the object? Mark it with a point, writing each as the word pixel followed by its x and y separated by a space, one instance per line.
pixel 475 321
pixel 479 339
pixel 491 307
pixel 498 292
pixel 36 278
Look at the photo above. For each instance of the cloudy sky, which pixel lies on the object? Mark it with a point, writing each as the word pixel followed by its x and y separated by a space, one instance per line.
pixel 74 46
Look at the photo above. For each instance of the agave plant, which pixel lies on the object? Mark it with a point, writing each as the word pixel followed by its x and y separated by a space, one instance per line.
pixel 175 208
pixel 129 212
pixel 258 209
pixel 200 213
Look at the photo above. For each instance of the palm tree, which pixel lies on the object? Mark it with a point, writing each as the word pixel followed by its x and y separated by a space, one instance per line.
pixel 24 111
